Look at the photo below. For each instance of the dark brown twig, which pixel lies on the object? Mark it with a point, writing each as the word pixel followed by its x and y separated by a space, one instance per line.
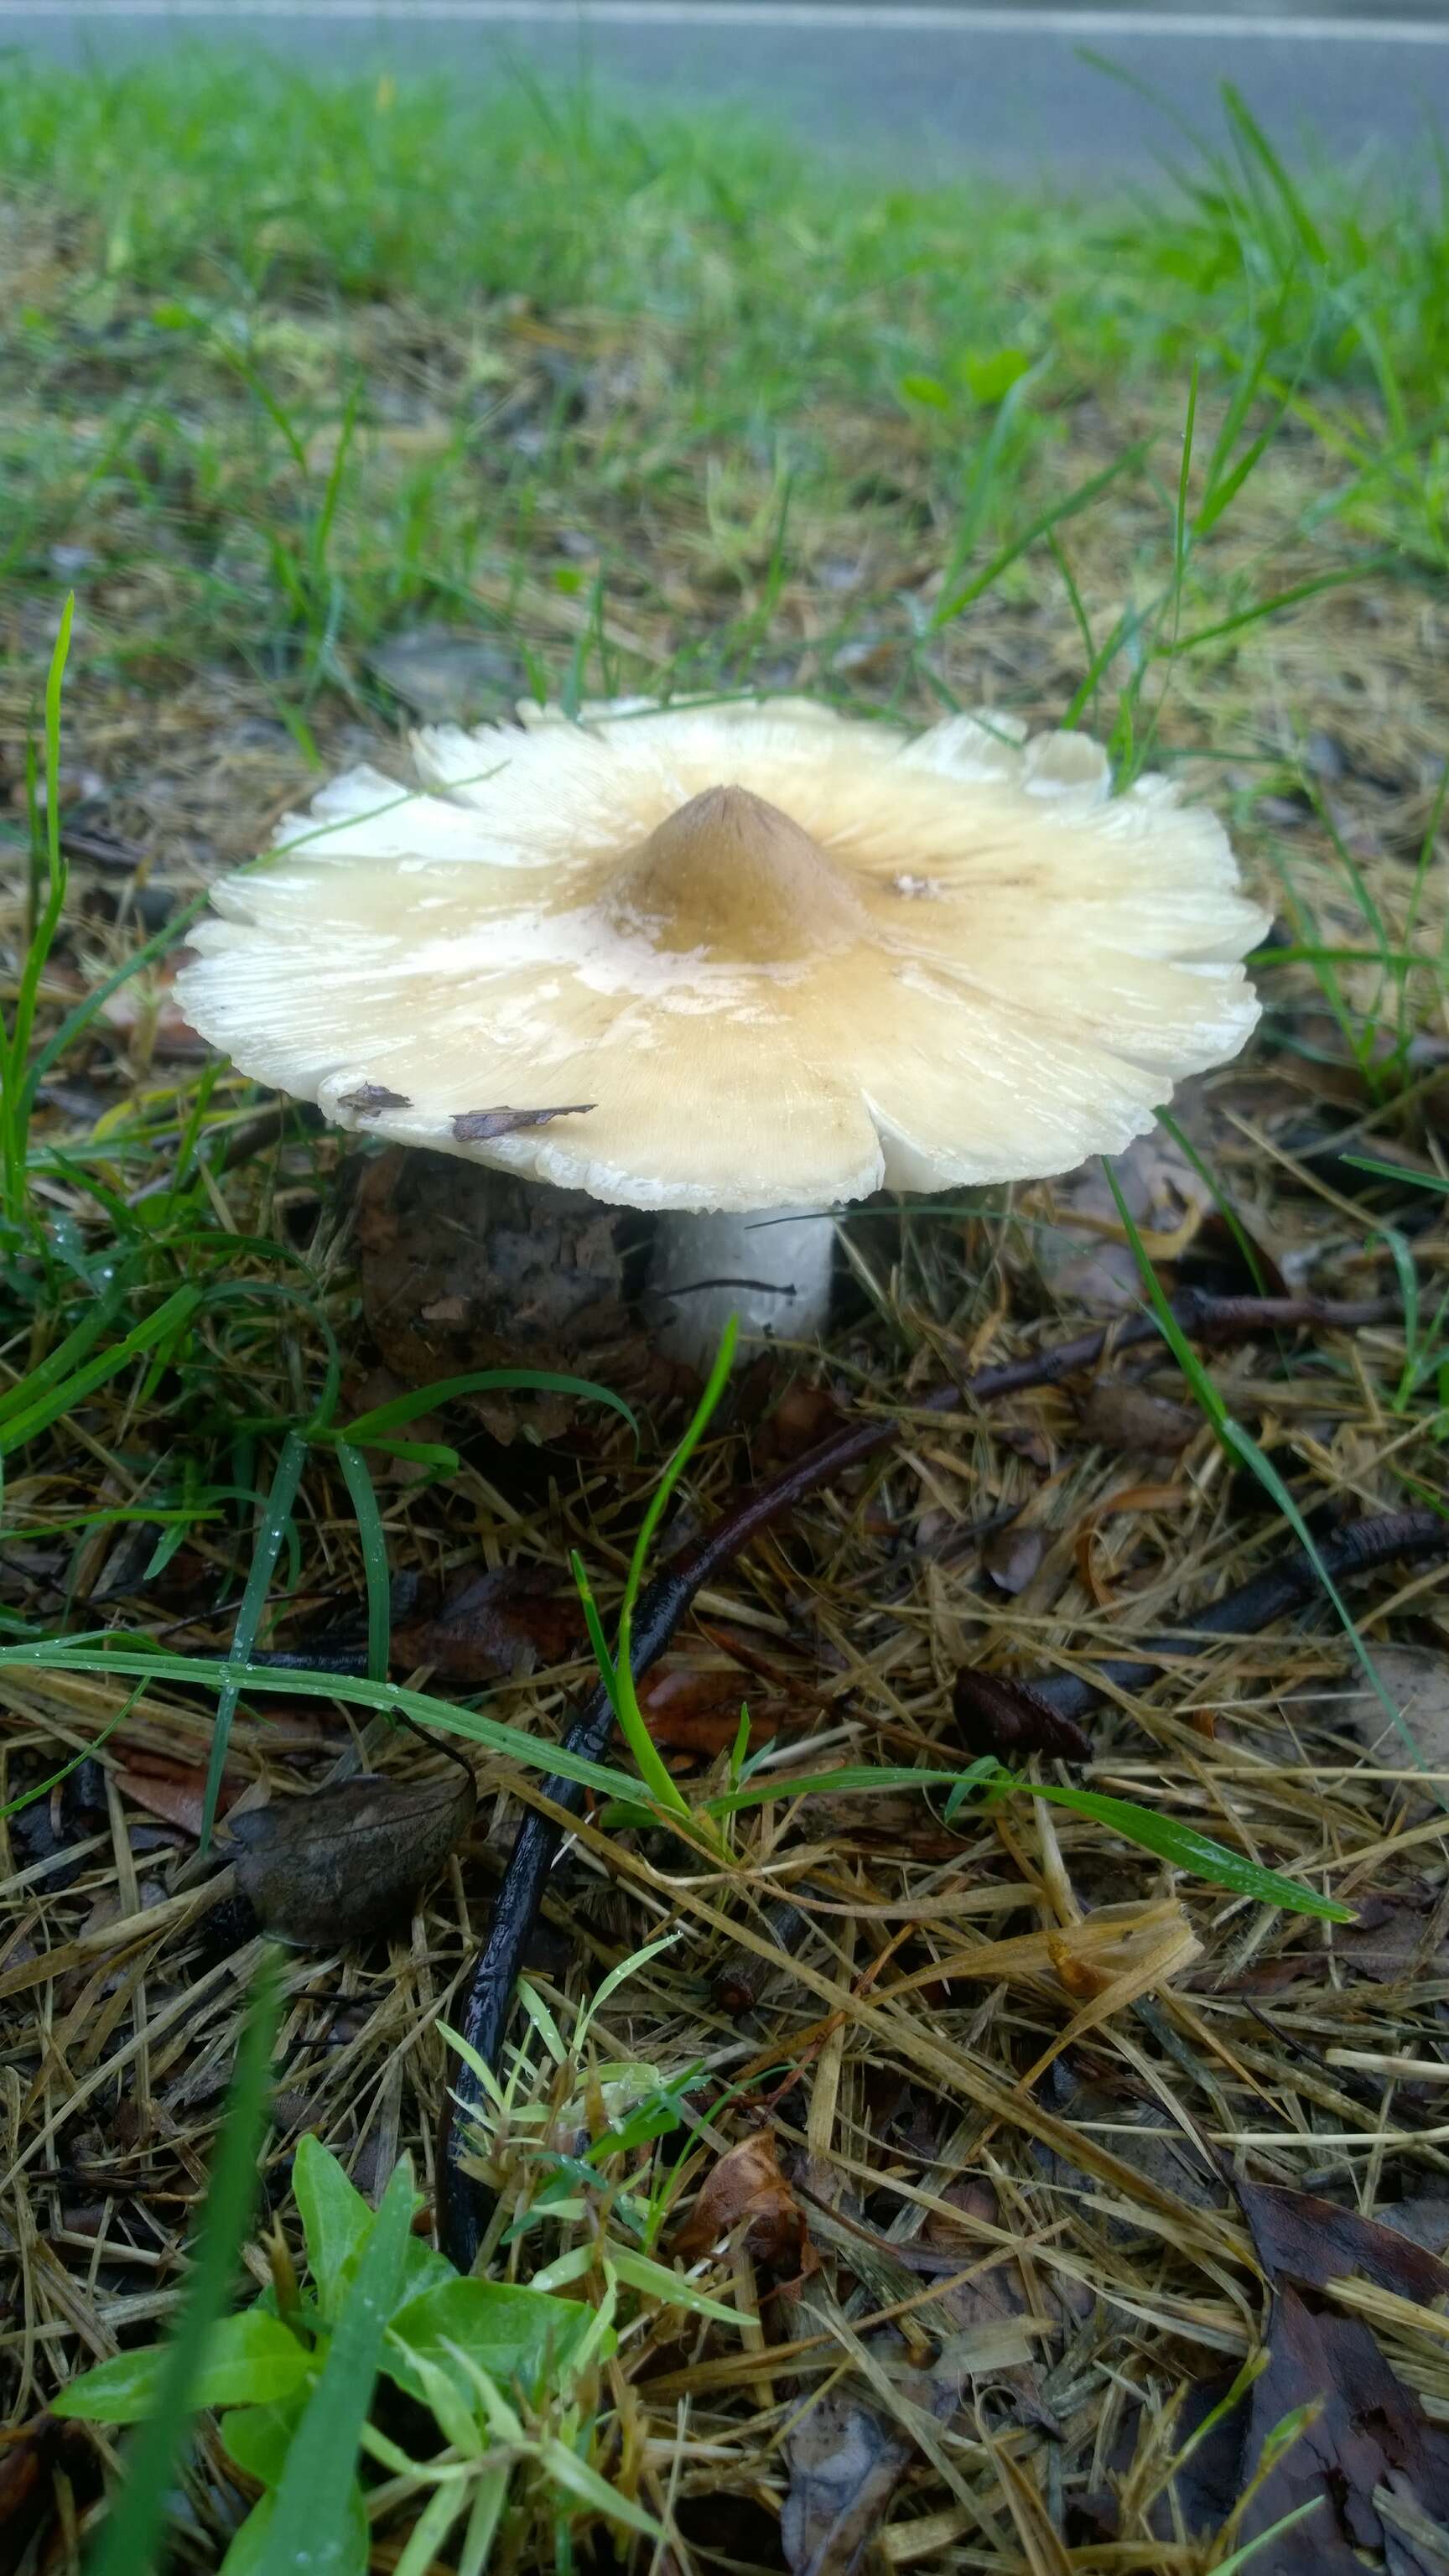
pixel 1355 1549
pixel 484 2014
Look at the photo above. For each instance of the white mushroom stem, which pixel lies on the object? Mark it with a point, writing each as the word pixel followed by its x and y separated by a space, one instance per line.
pixel 774 1273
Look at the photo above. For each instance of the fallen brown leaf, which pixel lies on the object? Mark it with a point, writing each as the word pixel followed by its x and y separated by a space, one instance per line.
pixel 996 1714
pixel 1143 1498
pixel 348 1860
pixel 1119 1416
pixel 509 1620
pixel 804 1416
pixel 694 1712
pixel 178 1793
pixel 1013 1556
pixel 747 2184
pixel 1369 2432
pixel 1299 2237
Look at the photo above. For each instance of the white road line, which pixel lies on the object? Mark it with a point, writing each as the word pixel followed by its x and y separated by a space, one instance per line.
pixel 1192 26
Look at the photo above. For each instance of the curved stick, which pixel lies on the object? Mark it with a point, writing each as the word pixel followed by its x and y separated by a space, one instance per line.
pixel 664 1603
pixel 1268 1597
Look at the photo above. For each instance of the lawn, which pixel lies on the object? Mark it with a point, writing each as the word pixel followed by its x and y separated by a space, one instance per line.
pixel 1005 2171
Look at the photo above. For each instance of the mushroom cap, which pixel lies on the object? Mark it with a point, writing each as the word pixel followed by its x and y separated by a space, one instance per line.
pixel 785 958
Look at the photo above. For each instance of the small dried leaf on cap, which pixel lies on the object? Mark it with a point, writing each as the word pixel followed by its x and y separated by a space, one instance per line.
pixel 476 1126
pixel 371 1097
pixel 347 1861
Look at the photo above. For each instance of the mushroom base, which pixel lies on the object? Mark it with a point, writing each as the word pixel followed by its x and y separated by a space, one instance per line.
pixel 465 1267
pixel 775 1272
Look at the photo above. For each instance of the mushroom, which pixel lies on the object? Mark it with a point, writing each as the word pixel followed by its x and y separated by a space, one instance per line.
pixel 728 963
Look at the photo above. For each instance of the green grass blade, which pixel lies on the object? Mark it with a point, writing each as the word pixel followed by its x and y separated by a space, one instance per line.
pixel 66 1355
pixel 373 1541
pixel 1241 2558
pixel 170 1318
pixel 16 1093
pixel 597 1639
pixel 641 1744
pixel 278 1512
pixel 675 1466
pixel 131 2542
pixel 1240 1444
pixel 84 1655
pixel 1224 1205
pixel 864 1779
pixel 385 1418
pixel 1293 597
pixel 1187 1849
pixel 1042 525
pixel 311 2521
pixel 1396 1172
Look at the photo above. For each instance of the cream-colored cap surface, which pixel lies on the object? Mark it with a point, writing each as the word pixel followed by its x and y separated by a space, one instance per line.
pixel 785 958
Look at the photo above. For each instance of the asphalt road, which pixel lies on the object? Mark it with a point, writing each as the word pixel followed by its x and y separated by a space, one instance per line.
pixel 1008 87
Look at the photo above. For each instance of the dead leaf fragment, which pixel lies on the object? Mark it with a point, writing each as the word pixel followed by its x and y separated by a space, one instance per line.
pixel 371 1097
pixel 1300 2237
pixel 349 1860
pixel 994 2297
pixel 747 2184
pixel 1119 1416
pixel 510 1620
pixel 173 1790
pixel 1368 2432
pixel 475 1126
pixel 1013 1556
pixel 849 2453
pixel 995 1714
pixel 845 2465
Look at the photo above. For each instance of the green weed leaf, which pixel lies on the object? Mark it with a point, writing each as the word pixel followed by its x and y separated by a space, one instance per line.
pixel 248 2360
pixel 335 2220
pixel 511 2333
